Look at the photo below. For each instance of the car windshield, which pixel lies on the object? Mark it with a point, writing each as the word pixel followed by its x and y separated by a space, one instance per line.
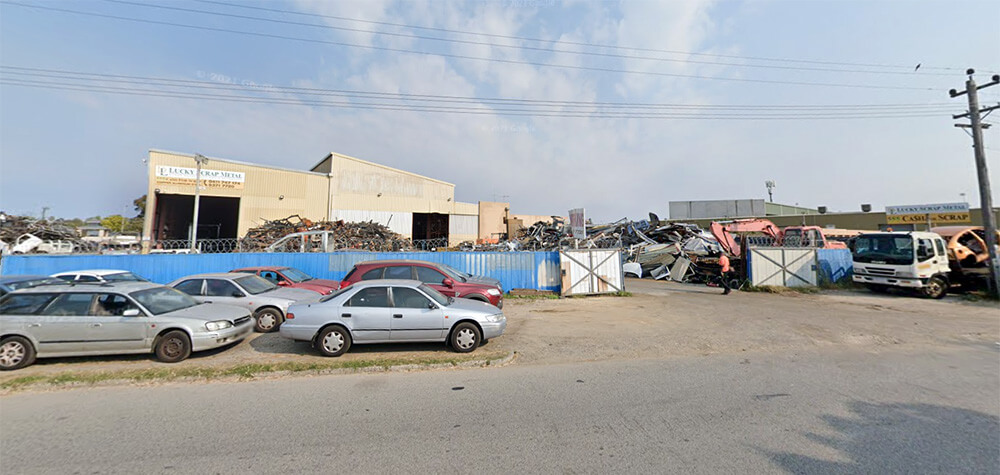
pixel 160 300
pixel 886 249
pixel 124 277
pixel 254 284
pixel 33 282
pixel 454 273
pixel 296 275
pixel 434 294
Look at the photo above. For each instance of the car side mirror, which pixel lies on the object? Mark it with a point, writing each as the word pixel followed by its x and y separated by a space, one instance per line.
pixel 283 283
pixel 237 293
pixel 131 312
pixel 432 305
pixel 448 283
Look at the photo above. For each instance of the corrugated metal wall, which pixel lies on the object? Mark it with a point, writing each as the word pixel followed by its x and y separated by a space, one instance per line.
pixel 459 224
pixel 530 270
pixel 398 221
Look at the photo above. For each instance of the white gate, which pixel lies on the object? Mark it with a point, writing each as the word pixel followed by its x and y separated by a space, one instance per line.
pixel 782 266
pixel 591 271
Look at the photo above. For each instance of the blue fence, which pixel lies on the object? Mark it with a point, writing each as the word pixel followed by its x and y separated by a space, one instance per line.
pixel 834 265
pixel 528 270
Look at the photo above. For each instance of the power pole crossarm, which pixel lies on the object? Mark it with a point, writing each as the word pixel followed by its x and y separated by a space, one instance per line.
pixel 985 195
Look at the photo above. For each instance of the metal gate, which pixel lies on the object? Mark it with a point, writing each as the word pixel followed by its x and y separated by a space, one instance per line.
pixel 591 271
pixel 782 267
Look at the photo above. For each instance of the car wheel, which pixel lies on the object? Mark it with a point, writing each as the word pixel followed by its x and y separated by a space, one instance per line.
pixel 267 320
pixel 173 346
pixel 16 352
pixel 333 341
pixel 936 288
pixel 465 337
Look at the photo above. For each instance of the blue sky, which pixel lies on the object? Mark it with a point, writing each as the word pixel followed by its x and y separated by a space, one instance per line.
pixel 80 152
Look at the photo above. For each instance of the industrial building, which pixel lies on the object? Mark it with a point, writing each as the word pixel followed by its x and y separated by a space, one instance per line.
pixel 237 196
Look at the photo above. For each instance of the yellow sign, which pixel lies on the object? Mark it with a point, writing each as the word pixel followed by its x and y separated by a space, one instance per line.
pixel 933 217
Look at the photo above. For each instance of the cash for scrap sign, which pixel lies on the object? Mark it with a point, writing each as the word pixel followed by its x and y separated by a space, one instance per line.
pixel 939 213
pixel 168 175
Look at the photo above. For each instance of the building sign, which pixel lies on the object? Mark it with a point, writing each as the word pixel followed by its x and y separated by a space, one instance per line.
pixel 938 213
pixel 577 224
pixel 167 175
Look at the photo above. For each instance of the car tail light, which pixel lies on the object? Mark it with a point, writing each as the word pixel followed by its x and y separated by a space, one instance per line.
pixel 289 316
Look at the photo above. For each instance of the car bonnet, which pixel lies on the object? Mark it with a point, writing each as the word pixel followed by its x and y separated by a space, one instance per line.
pixel 208 312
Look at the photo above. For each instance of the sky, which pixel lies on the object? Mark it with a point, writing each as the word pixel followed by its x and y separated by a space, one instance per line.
pixel 616 107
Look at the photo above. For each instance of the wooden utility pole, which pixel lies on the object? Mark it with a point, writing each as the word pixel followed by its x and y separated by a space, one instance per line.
pixel 985 195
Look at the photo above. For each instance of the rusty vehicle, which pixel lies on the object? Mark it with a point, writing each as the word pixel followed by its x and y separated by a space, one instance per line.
pixel 724 233
pixel 966 245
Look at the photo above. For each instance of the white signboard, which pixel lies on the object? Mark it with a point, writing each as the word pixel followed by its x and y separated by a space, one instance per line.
pixel 166 174
pixel 938 213
pixel 577 224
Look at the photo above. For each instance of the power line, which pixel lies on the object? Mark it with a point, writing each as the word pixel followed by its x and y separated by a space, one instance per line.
pixel 522 47
pixel 536 112
pixel 574 43
pixel 473 58
pixel 129 79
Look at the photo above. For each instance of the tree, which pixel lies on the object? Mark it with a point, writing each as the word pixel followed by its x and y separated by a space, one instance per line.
pixel 114 224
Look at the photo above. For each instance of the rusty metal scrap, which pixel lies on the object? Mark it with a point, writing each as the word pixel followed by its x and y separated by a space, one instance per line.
pixel 14 227
pixel 367 236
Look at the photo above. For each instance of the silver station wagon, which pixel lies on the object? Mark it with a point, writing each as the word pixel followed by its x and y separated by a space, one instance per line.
pixel 390 311
pixel 267 301
pixel 112 318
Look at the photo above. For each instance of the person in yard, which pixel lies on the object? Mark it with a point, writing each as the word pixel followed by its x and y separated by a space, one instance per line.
pixel 724 272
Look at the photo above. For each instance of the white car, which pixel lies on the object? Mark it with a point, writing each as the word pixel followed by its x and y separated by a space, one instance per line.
pixel 99 275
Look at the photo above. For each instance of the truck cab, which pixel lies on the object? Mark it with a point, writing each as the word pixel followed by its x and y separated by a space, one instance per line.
pixel 914 260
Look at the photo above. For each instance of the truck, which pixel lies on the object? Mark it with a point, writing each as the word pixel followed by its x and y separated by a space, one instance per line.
pixel 912 260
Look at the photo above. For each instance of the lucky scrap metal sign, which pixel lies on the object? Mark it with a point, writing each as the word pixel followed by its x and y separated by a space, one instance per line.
pixel 209 178
pixel 936 213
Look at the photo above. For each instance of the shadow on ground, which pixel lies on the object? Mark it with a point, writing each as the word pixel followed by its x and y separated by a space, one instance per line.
pixel 272 343
pixel 910 438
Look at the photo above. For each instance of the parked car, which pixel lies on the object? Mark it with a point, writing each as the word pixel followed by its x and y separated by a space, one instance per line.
pixel 267 301
pixel 112 318
pixel 389 311
pixel 11 283
pixel 292 277
pixel 99 275
pixel 440 277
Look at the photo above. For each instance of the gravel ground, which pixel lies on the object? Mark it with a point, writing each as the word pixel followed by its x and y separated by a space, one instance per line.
pixel 660 319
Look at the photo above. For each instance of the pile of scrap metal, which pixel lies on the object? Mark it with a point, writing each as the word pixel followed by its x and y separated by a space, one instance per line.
pixel 363 236
pixel 967 248
pixel 677 251
pixel 24 234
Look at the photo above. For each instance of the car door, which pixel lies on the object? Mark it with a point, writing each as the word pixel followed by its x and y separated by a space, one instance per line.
pixel 118 325
pixel 368 313
pixel 19 313
pixel 224 291
pixel 64 324
pixel 435 280
pixel 414 316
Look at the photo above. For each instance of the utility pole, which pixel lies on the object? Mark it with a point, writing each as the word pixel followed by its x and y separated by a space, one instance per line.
pixel 985 196
pixel 45 209
pixel 199 159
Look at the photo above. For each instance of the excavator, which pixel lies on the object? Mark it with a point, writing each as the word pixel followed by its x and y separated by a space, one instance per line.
pixel 793 236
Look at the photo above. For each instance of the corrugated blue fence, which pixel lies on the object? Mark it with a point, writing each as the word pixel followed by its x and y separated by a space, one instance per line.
pixel 527 270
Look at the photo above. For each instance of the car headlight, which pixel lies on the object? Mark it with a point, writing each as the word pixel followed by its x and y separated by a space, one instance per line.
pixel 218 325
pixel 493 292
pixel 495 318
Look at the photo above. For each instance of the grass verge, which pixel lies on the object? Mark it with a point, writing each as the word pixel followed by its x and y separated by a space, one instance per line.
pixel 241 371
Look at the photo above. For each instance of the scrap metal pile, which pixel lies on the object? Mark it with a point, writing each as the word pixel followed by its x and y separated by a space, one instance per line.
pixel 366 236
pixel 14 227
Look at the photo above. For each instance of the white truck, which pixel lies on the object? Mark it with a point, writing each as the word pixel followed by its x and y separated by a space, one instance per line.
pixel 914 260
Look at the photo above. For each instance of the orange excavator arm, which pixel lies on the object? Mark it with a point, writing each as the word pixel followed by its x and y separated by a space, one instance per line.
pixel 723 232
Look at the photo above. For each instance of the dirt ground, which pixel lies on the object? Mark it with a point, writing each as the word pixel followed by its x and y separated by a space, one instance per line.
pixel 660 319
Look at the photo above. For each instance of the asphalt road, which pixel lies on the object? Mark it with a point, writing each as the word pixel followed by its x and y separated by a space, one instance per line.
pixel 819 412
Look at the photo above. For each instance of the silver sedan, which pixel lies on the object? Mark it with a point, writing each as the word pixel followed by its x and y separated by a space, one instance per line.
pixel 390 311
pixel 267 301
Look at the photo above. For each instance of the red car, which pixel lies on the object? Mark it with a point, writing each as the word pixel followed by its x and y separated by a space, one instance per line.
pixel 292 277
pixel 443 278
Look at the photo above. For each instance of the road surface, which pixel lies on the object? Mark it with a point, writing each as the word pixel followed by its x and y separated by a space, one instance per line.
pixel 806 412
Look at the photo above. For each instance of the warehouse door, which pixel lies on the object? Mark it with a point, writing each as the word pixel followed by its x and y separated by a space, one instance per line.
pixel 592 271
pixel 430 230
pixel 218 217
pixel 782 267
